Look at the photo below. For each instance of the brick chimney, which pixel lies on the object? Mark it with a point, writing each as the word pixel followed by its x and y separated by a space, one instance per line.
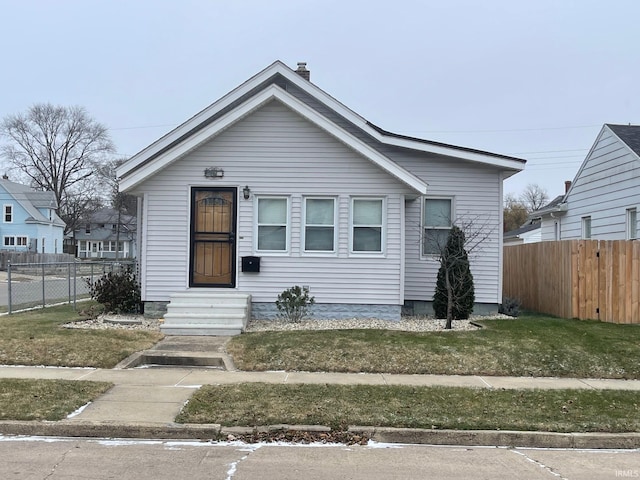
pixel 302 71
pixel 567 185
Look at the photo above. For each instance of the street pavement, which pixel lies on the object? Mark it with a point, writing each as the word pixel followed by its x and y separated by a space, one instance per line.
pixel 145 401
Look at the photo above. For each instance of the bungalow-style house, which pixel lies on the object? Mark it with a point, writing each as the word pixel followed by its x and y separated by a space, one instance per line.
pixel 602 201
pixel 106 233
pixel 29 219
pixel 278 184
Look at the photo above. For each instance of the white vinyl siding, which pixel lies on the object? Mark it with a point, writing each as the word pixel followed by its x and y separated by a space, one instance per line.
pixel 319 225
pixel 478 202
pixel 606 185
pixel 279 154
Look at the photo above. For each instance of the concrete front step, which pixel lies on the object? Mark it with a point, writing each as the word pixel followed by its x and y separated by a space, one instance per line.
pixel 207 313
pixel 191 329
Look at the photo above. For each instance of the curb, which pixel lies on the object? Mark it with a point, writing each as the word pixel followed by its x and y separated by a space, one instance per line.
pixel 213 432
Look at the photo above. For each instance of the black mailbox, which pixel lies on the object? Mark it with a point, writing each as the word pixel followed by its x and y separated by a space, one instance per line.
pixel 251 264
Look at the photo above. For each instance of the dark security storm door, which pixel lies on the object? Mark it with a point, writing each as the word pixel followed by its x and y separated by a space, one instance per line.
pixel 213 237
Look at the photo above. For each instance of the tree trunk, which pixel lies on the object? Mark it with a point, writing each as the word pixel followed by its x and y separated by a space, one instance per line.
pixel 449 301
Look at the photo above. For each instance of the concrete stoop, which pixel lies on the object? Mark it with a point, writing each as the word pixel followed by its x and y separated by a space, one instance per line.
pixel 207 313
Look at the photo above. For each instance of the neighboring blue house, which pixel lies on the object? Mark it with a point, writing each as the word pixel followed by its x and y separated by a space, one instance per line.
pixel 29 219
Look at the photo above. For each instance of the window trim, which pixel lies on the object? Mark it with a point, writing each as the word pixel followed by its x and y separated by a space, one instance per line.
pixel 632 223
pixel 304 225
pixel 423 226
pixel 7 211
pixel 256 225
pixel 383 227
pixel 586 227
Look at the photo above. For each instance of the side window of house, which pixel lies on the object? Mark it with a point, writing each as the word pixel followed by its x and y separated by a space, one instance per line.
pixel 437 221
pixel 8 214
pixel 9 241
pixel 272 224
pixel 319 224
pixel 87 228
pixel 22 241
pixel 586 227
pixel 632 224
pixel 367 225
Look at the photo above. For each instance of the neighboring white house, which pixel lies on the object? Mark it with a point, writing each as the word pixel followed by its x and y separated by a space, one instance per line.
pixel 279 184
pixel 603 200
pixel 29 219
pixel 529 233
pixel 106 233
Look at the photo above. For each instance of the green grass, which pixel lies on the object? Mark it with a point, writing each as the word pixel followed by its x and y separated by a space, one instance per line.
pixel 36 337
pixel 45 399
pixel 339 406
pixel 532 345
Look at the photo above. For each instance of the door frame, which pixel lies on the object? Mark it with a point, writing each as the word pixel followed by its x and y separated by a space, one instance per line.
pixel 233 240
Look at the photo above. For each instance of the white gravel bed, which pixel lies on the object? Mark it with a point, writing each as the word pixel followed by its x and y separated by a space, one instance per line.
pixel 118 322
pixel 407 324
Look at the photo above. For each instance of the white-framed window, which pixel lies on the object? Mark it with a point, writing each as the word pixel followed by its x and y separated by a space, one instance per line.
pixel 22 241
pixel 9 241
pixel 586 228
pixel 272 224
pixel 320 224
pixel 367 225
pixel 87 229
pixel 437 220
pixel 632 224
pixel 8 214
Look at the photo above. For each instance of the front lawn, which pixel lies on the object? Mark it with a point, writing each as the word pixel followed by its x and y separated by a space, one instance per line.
pixel 531 345
pixel 340 406
pixel 22 399
pixel 36 337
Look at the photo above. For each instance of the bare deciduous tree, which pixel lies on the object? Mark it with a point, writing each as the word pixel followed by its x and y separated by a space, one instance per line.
pixel 534 197
pixel 57 149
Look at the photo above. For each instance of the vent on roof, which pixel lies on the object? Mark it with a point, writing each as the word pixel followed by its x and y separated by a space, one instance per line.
pixel 302 70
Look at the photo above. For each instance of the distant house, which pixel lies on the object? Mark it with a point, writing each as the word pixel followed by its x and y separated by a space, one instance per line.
pixel 104 232
pixel 279 184
pixel 29 219
pixel 603 200
pixel 529 233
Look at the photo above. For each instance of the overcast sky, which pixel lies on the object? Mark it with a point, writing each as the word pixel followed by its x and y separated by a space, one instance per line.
pixel 535 79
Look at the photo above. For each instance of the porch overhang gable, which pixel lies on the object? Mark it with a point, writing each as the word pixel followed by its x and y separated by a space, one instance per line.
pixel 138 169
pixel 510 165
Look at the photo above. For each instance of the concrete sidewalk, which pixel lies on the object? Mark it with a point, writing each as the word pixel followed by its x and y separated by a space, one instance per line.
pixel 145 401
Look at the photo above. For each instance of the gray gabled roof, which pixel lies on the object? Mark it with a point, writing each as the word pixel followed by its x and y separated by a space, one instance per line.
pixel 629 134
pixel 521 230
pixel 31 200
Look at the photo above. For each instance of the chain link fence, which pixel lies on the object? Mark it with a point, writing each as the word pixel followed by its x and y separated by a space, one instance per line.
pixel 40 284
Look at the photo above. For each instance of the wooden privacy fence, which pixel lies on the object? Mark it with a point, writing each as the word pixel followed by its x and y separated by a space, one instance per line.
pixel 585 279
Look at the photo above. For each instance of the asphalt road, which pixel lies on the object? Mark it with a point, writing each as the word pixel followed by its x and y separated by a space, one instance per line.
pixel 65 458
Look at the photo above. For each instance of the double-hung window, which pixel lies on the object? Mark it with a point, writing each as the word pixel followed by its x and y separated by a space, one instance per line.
pixel 319 224
pixel 437 221
pixel 21 241
pixel 586 227
pixel 367 224
pixel 632 224
pixel 9 241
pixel 272 224
pixel 8 214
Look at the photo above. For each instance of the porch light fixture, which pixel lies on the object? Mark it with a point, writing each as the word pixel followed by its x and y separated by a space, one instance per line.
pixel 246 192
pixel 213 172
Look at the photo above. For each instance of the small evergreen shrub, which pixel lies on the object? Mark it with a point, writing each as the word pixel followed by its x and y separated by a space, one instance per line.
pixel 454 264
pixel 293 303
pixel 119 292
pixel 510 306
